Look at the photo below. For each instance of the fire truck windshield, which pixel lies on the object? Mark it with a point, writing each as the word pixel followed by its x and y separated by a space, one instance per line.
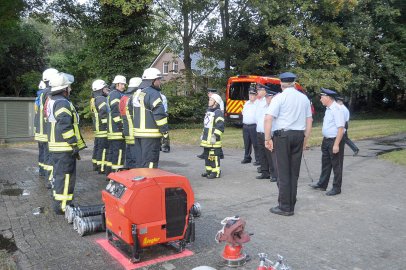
pixel 239 90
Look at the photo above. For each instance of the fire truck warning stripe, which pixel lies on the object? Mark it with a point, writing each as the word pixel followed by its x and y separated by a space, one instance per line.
pixel 125 262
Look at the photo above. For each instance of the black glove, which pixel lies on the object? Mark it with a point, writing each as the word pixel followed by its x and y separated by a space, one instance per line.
pixel 75 152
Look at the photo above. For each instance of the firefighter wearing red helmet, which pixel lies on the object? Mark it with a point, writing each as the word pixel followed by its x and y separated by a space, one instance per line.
pixel 211 137
pixel 98 107
pixel 150 119
pixel 64 140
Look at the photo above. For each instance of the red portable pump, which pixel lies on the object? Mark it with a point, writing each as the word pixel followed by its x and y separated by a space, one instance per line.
pixel 146 207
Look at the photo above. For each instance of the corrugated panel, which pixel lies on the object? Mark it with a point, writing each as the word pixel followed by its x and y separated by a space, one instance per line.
pixel 3 115
pixel 17 119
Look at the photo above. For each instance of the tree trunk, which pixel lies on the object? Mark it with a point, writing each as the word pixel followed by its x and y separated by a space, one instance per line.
pixel 225 25
pixel 186 50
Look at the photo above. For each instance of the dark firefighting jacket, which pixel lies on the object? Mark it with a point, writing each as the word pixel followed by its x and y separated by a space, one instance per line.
pixel 63 134
pixel 126 114
pixel 213 126
pixel 115 123
pixel 40 133
pixel 150 120
pixel 98 107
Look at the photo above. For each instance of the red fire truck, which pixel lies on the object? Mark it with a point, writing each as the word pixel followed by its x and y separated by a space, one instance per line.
pixel 237 93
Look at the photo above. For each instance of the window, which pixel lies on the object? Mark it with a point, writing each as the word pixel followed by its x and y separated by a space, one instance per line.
pixel 175 67
pixel 165 67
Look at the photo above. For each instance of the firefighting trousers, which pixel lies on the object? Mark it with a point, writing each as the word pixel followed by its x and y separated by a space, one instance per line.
pixel 147 152
pixel 115 156
pixel 94 154
pixel 64 172
pixel 288 147
pixel 212 160
pixel 101 153
pixel 130 156
pixel 42 149
pixel 48 164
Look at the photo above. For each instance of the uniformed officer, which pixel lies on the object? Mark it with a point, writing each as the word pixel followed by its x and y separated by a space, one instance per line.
pixel 290 116
pixel 116 152
pixel 211 137
pixel 98 107
pixel 332 146
pixel 150 120
pixel 249 132
pixel 40 126
pixel 126 112
pixel 267 168
pixel 347 140
pixel 64 140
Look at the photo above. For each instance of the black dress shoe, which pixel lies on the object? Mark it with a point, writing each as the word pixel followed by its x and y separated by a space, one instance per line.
pixel 259 170
pixel 256 163
pixel 333 192
pixel 273 179
pixel 205 174
pixel 245 161
pixel 278 211
pixel 263 176
pixel 317 186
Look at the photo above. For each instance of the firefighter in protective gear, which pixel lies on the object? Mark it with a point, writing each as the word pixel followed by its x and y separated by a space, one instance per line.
pixel 126 112
pixel 40 126
pixel 98 107
pixel 64 140
pixel 116 152
pixel 211 137
pixel 150 120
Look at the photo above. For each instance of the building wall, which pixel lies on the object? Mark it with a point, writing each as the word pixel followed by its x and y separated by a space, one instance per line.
pixel 169 58
pixel 16 118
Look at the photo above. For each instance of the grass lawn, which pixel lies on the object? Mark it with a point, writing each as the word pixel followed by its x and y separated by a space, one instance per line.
pixel 359 129
pixel 398 157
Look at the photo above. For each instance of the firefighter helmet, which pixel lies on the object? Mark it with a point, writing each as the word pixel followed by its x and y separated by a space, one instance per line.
pixel 216 98
pixel 151 74
pixel 60 81
pixel 48 73
pixel 120 79
pixel 134 82
pixel 98 85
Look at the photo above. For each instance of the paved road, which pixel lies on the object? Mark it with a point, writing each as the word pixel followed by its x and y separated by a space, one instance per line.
pixel 362 228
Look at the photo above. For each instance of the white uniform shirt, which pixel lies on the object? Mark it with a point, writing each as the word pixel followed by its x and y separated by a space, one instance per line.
pixel 248 112
pixel 333 119
pixel 260 114
pixel 290 110
pixel 346 112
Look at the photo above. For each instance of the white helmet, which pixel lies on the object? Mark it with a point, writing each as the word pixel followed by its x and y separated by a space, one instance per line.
pixel 204 267
pixel 216 98
pixel 120 79
pixel 134 82
pixel 98 85
pixel 42 85
pixel 60 81
pixel 151 74
pixel 48 73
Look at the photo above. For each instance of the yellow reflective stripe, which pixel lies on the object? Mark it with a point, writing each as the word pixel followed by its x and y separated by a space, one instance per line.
pixel 117 119
pixel 151 165
pixel 103 161
pixel 63 110
pixel 218 132
pixel 60 197
pixel 101 105
pixel 208 168
pixel 65 190
pixel 162 122
pixel 219 119
pixel 114 101
pixel 156 102
pixel 115 136
pixel 143 130
pixel 104 121
pixel 68 134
